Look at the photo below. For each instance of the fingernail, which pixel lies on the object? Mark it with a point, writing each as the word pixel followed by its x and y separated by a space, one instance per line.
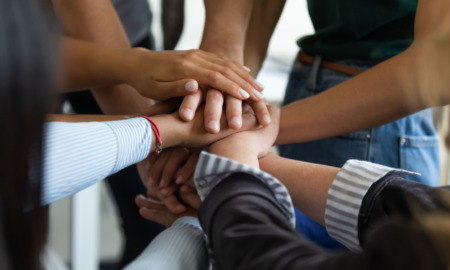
pixel 179 179
pixel 150 182
pixel 258 94
pixel 246 68
pixel 236 121
pixel 188 113
pixel 267 119
pixel 213 125
pixel 164 191
pixel 162 183
pixel 260 84
pixel 191 86
pixel 243 93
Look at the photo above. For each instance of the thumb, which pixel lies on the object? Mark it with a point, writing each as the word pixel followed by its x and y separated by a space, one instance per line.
pixel 178 88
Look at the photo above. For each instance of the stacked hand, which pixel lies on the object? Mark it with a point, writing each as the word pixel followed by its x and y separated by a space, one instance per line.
pixel 168 176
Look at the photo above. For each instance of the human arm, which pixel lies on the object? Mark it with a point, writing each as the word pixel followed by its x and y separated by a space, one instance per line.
pixel 158 75
pixel 224 34
pixel 80 154
pixel 98 22
pixel 242 199
pixel 411 81
pixel 264 18
pixel 179 247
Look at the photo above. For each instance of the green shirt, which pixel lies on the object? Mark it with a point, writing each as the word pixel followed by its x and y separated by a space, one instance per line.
pixel 360 29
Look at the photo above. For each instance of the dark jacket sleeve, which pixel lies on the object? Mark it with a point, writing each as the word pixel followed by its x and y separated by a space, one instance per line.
pixel 246 229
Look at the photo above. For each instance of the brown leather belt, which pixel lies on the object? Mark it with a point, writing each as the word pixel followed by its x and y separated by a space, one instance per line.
pixel 304 58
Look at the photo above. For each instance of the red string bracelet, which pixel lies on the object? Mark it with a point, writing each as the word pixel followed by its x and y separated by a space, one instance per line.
pixel 157 134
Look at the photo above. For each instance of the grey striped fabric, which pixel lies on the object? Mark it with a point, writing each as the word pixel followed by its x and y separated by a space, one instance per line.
pixel 211 169
pixel 77 155
pixel 179 247
pixel 346 195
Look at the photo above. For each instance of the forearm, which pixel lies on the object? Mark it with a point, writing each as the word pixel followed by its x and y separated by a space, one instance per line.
pixel 77 155
pixel 83 118
pixel 243 203
pixel 264 18
pixel 97 21
pixel 307 183
pixel 380 95
pixel 225 27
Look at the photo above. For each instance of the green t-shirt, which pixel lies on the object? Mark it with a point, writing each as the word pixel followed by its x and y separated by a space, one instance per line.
pixel 360 29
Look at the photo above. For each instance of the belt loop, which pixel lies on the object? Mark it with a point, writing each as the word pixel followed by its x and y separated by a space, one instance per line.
pixel 312 80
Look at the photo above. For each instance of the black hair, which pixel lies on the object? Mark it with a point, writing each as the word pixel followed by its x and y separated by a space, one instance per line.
pixel 27 68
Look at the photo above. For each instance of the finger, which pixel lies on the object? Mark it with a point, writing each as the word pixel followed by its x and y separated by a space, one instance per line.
pixel 153 215
pixel 189 106
pixel 142 201
pixel 213 110
pixel 176 88
pixel 187 170
pixel 186 188
pixel 232 70
pixel 234 112
pixel 166 191
pixel 191 199
pixel 165 107
pixel 261 112
pixel 173 204
pixel 158 167
pixel 178 156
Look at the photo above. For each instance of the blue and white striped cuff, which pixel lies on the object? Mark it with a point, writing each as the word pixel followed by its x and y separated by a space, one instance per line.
pixel 345 198
pixel 211 169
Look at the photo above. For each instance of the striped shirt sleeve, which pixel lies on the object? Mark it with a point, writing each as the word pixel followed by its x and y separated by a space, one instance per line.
pixel 211 169
pixel 77 155
pixel 179 247
pixel 345 198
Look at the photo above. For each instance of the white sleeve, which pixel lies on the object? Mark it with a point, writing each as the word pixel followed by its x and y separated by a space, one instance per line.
pixel 345 198
pixel 179 247
pixel 77 155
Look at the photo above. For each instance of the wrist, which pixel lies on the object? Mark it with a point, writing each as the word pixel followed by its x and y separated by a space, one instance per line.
pixel 236 149
pixel 130 60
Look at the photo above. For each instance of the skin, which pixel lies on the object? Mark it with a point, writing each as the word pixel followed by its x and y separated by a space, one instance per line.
pixel 97 21
pixel 120 78
pixel 224 34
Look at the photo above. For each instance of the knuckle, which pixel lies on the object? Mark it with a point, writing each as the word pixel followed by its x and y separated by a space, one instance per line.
pixel 214 96
pixel 214 76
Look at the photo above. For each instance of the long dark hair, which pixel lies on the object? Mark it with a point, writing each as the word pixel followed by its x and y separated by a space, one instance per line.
pixel 27 66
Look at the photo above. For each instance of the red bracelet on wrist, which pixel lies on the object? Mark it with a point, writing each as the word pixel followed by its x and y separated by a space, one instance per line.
pixel 157 134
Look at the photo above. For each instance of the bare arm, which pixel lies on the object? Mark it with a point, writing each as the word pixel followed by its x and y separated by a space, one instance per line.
pixel 224 33
pixel 409 82
pixel 97 21
pixel 307 183
pixel 264 18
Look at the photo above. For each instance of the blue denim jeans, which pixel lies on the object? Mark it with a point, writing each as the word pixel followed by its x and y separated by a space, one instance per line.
pixel 410 143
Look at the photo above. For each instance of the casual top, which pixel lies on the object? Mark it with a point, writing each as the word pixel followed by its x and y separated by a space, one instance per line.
pixel 136 18
pixel 360 29
pixel 78 155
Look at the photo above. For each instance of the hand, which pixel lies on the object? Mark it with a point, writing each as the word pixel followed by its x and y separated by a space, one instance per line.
pixel 247 146
pixel 172 166
pixel 155 210
pixel 175 132
pixel 164 74
pixel 214 106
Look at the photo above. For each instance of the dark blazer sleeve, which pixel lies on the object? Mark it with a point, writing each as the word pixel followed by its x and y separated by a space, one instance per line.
pixel 247 229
